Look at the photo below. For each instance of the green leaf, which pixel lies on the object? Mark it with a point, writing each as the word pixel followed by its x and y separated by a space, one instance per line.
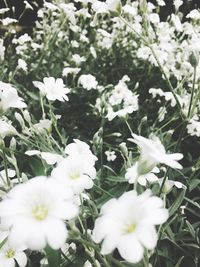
pixel 3 242
pixel 53 257
pixel 177 203
pixel 37 167
pixel 179 262
pixel 191 229
pixel 16 263
pixel 193 184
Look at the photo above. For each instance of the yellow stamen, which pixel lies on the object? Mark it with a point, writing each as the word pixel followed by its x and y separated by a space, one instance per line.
pixel 40 212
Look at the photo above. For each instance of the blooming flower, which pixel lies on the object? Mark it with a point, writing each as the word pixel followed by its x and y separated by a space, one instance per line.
pixel 76 173
pixel 169 184
pixel 153 153
pixel 9 97
pixel 8 254
pixel 6 129
pixel 128 224
pixel 53 89
pixel 81 149
pixel 50 158
pixel 110 155
pixel 33 210
pixel 88 81
pixel 132 175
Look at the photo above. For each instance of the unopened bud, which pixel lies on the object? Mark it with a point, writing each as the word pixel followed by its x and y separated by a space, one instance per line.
pixel 114 7
pixel 143 6
pixel 124 149
pixel 27 116
pixel 194 59
pixel 20 119
pixel 13 143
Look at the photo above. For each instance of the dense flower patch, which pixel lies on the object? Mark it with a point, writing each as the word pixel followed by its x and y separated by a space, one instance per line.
pixel 99 136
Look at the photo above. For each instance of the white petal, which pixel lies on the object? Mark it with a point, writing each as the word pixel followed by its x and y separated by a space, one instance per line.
pixel 65 211
pixel 130 248
pixel 147 236
pixel 21 259
pixel 19 235
pixel 109 244
pixel 158 216
pixel 32 152
pixel 36 239
pixel 56 233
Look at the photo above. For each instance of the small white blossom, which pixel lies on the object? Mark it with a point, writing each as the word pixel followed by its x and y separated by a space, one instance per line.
pixel 9 97
pixel 129 222
pixel 88 81
pixel 193 128
pixel 69 70
pixel 153 153
pixel 53 89
pixel 43 125
pixel 81 149
pixel 75 173
pixel 110 155
pixel 22 64
pixel 132 175
pixel 6 129
pixel 50 158
pixel 169 184
pixel 8 254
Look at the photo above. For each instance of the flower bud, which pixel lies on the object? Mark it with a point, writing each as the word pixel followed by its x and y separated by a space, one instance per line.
pixel 20 119
pixel 13 143
pixel 114 7
pixel 194 59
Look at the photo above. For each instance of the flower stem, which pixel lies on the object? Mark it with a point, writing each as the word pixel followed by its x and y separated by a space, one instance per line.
pixel 189 115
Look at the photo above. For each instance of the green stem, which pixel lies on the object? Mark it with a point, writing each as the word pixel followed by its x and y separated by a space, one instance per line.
pixel 42 106
pixel 5 165
pixel 192 94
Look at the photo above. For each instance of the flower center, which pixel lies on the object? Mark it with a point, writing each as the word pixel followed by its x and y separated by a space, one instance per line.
pixel 130 228
pixel 40 212
pixel 10 254
pixel 75 175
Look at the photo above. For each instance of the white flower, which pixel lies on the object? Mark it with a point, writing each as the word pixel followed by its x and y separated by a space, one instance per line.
pixel 132 175
pixel 178 3
pixel 194 14
pixel 75 173
pixel 6 129
pixel 110 155
pixel 9 97
pixel 77 59
pixel 69 70
pixel 110 6
pixel 53 89
pixel 169 184
pixel 22 64
pixel 8 255
pixel 81 149
pixel 50 158
pixel 128 224
pixel 153 153
pixel 34 210
pixel 43 126
pixel 88 81
pixel 193 127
